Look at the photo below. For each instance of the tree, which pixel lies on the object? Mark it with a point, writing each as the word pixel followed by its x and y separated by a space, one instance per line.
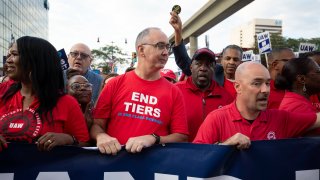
pixel 108 56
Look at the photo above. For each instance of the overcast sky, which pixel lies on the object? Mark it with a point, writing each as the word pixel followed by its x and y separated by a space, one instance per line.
pixel 84 21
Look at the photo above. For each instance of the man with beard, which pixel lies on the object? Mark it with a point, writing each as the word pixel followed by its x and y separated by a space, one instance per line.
pixel 231 58
pixel 247 118
pixel 200 91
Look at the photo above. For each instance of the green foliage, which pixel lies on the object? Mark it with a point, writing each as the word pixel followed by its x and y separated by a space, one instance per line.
pixel 107 56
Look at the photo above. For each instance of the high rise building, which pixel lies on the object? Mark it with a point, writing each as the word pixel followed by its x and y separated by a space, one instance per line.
pixel 244 35
pixel 21 18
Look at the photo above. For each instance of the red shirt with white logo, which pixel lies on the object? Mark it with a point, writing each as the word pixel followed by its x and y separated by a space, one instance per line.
pixel 293 102
pixel 271 124
pixel 275 96
pixel 199 104
pixel 18 125
pixel 229 86
pixel 135 107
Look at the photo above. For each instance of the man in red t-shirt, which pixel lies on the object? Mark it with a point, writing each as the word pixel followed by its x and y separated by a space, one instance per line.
pixel 201 92
pixel 247 118
pixel 140 108
pixel 276 60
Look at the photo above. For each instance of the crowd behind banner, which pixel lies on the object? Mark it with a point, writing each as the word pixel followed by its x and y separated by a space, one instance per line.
pixel 51 100
pixel 281 159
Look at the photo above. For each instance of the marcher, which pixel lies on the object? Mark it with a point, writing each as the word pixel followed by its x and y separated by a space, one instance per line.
pixel 139 109
pixel 247 119
pixel 34 108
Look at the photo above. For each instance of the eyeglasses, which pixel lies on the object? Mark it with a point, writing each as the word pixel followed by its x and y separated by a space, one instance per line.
pixel 82 55
pixel 78 86
pixel 160 46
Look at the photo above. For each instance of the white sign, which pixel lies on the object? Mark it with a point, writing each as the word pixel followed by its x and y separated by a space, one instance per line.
pixel 307 47
pixel 256 58
pixel 247 56
pixel 264 43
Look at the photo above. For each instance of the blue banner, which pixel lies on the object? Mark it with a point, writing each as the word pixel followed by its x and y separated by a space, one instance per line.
pixel 295 159
pixel 64 59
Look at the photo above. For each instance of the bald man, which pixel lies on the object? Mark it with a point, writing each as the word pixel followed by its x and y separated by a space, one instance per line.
pixel 80 59
pixel 248 119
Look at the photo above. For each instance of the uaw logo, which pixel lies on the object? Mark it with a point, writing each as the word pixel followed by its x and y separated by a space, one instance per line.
pixel 271 135
pixel 20 125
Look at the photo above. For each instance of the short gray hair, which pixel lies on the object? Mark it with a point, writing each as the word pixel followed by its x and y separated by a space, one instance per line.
pixel 141 36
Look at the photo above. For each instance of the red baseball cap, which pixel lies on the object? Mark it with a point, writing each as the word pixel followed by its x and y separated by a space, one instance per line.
pixel 204 51
pixel 167 73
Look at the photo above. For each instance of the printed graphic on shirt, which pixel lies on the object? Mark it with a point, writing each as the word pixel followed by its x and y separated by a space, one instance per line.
pixel 271 135
pixel 20 125
pixel 143 107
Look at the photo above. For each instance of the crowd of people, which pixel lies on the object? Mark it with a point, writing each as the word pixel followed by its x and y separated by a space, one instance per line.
pixel 232 103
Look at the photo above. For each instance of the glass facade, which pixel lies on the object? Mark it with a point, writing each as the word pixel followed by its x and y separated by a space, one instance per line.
pixel 22 18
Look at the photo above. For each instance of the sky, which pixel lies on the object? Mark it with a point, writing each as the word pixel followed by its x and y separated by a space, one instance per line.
pixel 113 21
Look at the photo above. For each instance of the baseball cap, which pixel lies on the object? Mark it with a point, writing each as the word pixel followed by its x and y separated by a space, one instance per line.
pixel 167 73
pixel 204 51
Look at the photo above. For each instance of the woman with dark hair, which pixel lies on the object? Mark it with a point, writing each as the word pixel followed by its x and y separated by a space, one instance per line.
pixel 300 78
pixel 34 108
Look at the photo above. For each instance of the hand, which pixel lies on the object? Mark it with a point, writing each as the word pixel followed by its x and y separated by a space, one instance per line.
pixel 136 144
pixel 108 144
pixel 50 140
pixel 3 143
pixel 240 140
pixel 175 22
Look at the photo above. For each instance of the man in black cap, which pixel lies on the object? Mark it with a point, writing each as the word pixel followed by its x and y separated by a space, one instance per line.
pixel 201 93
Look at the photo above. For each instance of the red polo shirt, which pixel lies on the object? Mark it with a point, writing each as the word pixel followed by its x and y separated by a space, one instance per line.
pixel 275 96
pixel 229 86
pixel 293 102
pixel 223 123
pixel 199 104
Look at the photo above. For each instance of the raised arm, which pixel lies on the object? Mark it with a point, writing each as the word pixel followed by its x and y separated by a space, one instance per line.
pixel 182 58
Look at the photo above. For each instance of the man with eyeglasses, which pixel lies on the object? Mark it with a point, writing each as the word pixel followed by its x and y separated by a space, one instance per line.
pixel 140 108
pixel 80 59
pixel 276 60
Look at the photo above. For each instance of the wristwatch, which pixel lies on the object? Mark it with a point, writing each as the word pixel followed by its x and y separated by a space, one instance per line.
pixel 157 138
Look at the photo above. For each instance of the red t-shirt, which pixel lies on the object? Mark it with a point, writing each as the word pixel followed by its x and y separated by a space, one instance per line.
pixel 18 125
pixel 229 86
pixel 199 104
pixel 293 102
pixel 135 107
pixel 223 123
pixel 275 96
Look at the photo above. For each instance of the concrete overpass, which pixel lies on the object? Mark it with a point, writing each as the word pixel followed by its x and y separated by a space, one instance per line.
pixel 208 16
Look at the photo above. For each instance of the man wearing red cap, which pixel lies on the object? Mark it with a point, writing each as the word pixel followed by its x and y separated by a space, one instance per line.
pixel 223 74
pixel 201 92
pixel 169 75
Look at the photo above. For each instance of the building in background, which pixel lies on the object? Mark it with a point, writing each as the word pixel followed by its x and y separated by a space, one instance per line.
pixel 21 18
pixel 244 35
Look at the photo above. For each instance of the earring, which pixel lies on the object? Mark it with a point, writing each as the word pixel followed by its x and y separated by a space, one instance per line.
pixel 304 89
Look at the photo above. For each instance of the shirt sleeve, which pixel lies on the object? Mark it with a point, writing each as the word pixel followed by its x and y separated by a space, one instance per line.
pixel 298 123
pixel 182 58
pixel 208 131
pixel 104 104
pixel 74 122
pixel 179 119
